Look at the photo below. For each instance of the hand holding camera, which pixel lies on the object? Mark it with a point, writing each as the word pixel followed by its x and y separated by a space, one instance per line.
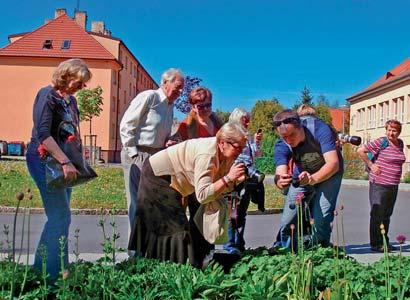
pixel 237 172
pixel 305 178
pixel 283 180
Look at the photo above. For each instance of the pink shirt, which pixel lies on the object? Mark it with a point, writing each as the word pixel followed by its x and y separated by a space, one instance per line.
pixel 390 160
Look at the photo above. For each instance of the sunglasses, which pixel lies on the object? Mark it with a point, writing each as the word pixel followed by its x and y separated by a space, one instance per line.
pixel 291 120
pixel 204 106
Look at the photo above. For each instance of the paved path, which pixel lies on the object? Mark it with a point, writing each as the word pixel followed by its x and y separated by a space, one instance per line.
pixel 260 229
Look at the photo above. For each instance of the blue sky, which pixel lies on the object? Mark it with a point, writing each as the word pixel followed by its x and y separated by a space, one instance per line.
pixel 248 50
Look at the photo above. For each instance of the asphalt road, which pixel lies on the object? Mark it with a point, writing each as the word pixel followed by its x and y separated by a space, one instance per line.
pixel 260 230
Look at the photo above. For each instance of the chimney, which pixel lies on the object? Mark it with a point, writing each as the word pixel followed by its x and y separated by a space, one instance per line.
pixel 81 18
pixel 107 32
pixel 98 27
pixel 59 12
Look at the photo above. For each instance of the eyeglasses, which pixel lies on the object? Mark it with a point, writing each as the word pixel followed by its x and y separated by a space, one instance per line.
pixel 236 146
pixel 290 120
pixel 79 85
pixel 204 106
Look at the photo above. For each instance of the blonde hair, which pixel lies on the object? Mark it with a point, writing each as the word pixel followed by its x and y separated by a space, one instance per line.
pixel 69 70
pixel 232 132
pixel 306 110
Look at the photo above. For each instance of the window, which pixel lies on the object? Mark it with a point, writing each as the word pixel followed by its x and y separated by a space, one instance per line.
pixel 395 109
pixel 126 62
pixel 130 67
pixel 48 44
pixel 112 131
pixel 360 118
pixel 113 103
pixel 114 77
pixel 408 107
pixel 401 109
pixel 386 111
pixel 381 114
pixel 66 44
pixel 125 97
pixel 120 56
pixel 130 90
pixel 369 117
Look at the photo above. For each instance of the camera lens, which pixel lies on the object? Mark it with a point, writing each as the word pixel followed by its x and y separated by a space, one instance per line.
pixel 355 140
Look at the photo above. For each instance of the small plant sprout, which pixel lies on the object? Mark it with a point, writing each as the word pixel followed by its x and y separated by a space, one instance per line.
pixel 386 262
pixel 19 197
pixel 292 230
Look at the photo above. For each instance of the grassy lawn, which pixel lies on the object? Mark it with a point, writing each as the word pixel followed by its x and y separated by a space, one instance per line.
pixel 105 191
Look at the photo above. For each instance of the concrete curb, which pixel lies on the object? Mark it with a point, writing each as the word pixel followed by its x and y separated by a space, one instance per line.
pixel 405 187
pixel 74 211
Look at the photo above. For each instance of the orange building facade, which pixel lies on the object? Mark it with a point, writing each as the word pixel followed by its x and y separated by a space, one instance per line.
pixel 27 64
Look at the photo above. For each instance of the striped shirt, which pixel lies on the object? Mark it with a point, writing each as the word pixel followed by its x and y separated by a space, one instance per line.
pixel 390 161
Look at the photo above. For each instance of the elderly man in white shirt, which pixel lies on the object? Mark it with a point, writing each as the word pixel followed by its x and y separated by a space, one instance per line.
pixel 145 129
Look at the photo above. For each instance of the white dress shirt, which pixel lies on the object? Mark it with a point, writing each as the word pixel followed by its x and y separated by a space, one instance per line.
pixel 147 121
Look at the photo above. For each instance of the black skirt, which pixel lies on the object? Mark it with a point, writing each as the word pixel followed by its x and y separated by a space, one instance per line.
pixel 161 228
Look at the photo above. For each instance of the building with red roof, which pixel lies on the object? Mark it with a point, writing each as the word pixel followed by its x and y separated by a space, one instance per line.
pixel 385 99
pixel 28 61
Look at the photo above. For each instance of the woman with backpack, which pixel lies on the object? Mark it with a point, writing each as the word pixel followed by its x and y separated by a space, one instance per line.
pixel 384 157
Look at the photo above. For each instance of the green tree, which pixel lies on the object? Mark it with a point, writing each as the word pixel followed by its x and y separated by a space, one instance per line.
pixel 262 114
pixel 323 113
pixel 306 97
pixel 90 103
pixel 321 99
pixel 222 115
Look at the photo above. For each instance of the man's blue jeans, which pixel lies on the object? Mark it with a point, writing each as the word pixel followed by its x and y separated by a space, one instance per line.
pixel 56 204
pixel 322 198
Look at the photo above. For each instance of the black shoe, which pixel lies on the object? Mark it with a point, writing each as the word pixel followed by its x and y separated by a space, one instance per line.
pixel 380 249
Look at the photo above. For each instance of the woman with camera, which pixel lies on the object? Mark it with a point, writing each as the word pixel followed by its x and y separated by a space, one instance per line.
pixel 204 166
pixel 201 122
pixel 252 188
pixel 53 104
pixel 385 164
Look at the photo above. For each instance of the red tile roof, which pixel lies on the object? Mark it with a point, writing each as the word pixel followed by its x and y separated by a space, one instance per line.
pixel 337 118
pixel 400 71
pixel 83 45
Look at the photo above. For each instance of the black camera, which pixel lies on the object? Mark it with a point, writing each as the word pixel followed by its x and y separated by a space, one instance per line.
pixel 256 177
pixel 352 139
pixel 295 180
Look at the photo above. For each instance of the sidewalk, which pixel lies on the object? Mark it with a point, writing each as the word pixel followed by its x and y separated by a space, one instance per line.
pixel 348 182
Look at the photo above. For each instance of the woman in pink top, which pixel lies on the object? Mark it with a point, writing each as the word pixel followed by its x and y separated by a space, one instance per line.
pixel 384 178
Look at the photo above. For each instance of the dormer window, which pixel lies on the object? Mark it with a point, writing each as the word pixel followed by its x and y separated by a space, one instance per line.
pixel 48 44
pixel 66 44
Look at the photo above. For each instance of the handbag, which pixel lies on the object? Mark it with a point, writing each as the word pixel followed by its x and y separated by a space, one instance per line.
pixel 70 144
